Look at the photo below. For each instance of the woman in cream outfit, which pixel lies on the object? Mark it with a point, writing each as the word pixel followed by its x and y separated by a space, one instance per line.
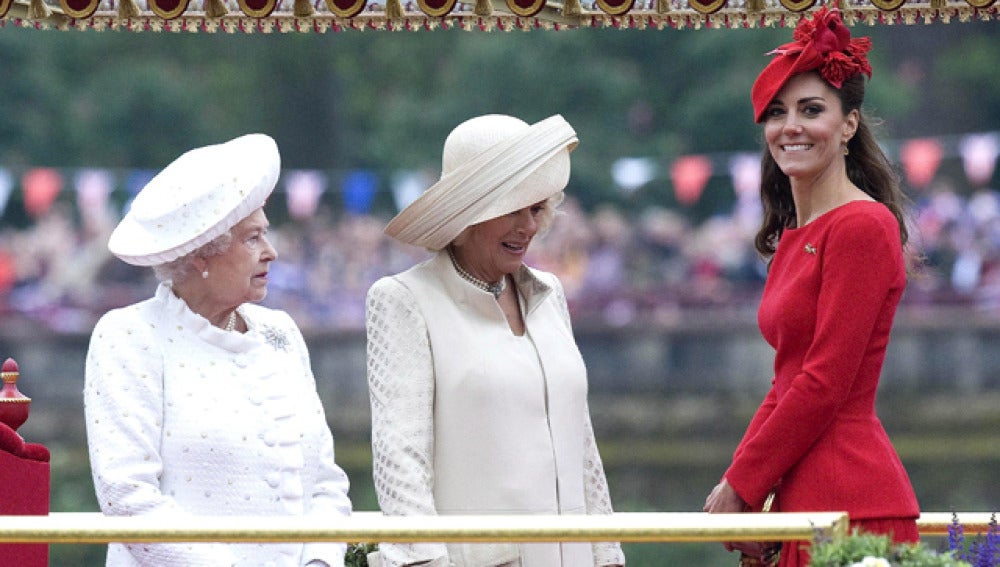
pixel 478 390
pixel 199 402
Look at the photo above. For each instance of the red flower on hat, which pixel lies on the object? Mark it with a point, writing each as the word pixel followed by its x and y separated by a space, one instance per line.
pixel 841 65
pixel 825 43
pixel 825 30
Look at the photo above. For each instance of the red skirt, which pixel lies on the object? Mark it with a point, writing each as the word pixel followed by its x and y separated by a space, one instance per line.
pixel 796 553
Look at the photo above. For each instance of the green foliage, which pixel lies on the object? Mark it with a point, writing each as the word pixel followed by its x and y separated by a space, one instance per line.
pixel 387 100
pixel 357 554
pixel 853 549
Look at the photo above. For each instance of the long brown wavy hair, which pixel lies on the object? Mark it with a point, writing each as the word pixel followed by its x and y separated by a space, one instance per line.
pixel 867 167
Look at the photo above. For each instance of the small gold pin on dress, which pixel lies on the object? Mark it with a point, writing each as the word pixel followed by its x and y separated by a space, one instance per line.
pixel 810 248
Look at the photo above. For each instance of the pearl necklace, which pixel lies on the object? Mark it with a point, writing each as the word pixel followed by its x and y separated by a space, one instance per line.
pixel 495 288
pixel 231 324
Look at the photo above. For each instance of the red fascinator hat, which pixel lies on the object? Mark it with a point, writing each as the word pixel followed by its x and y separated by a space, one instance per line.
pixel 822 43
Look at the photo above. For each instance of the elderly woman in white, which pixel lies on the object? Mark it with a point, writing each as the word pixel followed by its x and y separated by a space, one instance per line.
pixel 478 390
pixel 197 401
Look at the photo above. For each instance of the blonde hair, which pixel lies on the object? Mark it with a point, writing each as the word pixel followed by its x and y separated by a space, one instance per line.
pixel 550 209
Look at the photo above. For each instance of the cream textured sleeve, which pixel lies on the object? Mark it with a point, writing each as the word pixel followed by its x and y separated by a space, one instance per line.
pixel 401 387
pixel 598 496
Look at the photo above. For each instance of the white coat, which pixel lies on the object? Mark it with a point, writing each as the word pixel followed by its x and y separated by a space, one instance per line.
pixel 185 418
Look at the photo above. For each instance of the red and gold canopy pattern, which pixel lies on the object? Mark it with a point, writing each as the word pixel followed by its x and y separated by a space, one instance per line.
pixel 319 16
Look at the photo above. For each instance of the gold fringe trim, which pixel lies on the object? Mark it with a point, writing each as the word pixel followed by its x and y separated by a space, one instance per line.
pixel 938 4
pixel 128 9
pixel 215 9
pixel 393 10
pixel 483 8
pixel 38 10
pixel 662 6
pixel 754 6
pixel 303 9
pixel 572 8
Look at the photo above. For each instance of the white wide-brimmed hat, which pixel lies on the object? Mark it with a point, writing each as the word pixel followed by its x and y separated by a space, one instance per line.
pixel 491 165
pixel 196 198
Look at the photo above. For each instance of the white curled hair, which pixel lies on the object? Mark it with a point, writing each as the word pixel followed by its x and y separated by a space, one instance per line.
pixel 182 268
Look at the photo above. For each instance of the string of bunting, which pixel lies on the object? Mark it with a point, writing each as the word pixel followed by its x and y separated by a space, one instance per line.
pixel 687 175
pixel 319 16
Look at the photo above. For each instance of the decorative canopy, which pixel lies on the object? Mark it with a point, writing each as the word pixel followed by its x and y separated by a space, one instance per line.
pixel 318 16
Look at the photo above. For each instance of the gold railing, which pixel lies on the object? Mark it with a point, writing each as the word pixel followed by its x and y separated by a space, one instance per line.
pixel 640 527
pixel 87 527
pixel 936 523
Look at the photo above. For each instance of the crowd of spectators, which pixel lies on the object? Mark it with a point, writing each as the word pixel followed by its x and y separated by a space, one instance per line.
pixel 618 268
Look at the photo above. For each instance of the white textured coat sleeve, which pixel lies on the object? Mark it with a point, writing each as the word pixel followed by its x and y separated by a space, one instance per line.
pixel 595 483
pixel 401 386
pixel 329 496
pixel 123 405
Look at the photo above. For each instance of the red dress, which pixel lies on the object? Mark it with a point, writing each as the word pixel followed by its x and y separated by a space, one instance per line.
pixel 827 309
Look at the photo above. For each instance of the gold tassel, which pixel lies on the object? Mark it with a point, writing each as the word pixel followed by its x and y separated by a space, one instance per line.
pixel 393 10
pixel 215 9
pixel 128 9
pixel 303 9
pixel 483 8
pixel 662 6
pixel 755 6
pixel 572 8
pixel 38 10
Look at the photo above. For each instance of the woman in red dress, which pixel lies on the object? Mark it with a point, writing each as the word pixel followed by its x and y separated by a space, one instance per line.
pixel 834 235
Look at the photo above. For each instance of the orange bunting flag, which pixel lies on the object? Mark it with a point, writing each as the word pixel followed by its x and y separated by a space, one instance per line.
pixel 921 158
pixel 689 174
pixel 41 187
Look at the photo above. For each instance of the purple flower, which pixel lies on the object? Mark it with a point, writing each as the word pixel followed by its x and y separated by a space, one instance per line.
pixel 956 537
pixel 989 549
pixel 984 551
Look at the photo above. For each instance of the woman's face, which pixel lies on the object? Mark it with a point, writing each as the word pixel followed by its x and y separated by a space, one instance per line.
pixel 239 275
pixel 805 127
pixel 497 247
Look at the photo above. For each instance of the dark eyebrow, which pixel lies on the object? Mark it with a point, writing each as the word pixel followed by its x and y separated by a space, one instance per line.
pixel 811 98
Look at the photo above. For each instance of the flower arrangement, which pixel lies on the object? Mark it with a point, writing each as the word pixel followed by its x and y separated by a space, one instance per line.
pixel 876 550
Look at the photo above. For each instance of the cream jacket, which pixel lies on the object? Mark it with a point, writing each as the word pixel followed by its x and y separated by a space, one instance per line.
pixel 468 418
pixel 184 418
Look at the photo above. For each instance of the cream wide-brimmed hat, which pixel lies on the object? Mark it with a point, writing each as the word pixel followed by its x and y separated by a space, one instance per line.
pixel 196 198
pixel 491 165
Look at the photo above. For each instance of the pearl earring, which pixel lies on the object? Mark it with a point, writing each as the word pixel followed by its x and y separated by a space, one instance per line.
pixel 204 275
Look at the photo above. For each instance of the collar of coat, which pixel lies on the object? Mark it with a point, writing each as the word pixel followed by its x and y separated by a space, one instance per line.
pixel 531 288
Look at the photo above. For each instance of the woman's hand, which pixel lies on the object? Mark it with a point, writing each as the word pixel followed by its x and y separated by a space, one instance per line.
pixel 724 500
